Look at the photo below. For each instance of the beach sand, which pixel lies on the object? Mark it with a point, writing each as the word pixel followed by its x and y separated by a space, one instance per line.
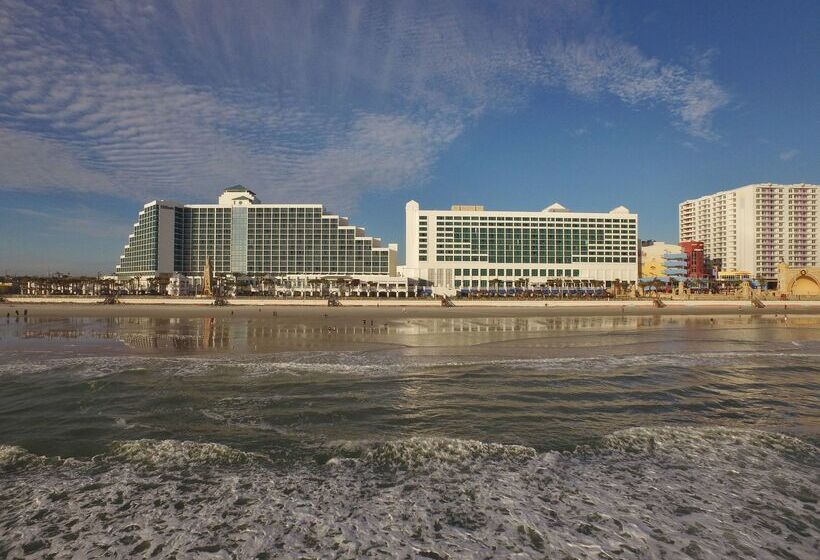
pixel 521 331
pixel 393 310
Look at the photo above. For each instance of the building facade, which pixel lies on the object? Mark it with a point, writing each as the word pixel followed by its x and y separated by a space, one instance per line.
pixel 754 228
pixel 695 259
pixel 245 237
pixel 470 247
pixel 797 281
pixel 661 260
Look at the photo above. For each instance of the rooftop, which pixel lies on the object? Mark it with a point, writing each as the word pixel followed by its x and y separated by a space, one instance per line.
pixel 239 188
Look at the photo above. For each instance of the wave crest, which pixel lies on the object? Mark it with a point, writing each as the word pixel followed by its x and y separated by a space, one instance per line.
pixel 417 453
pixel 179 454
pixel 716 443
pixel 13 457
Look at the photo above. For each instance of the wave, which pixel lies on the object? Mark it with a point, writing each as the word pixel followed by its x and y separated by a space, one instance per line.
pixel 13 457
pixel 428 452
pixel 638 493
pixel 371 364
pixel 714 443
pixel 171 453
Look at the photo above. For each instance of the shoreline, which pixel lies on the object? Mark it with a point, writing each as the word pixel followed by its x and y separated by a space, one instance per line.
pixel 386 309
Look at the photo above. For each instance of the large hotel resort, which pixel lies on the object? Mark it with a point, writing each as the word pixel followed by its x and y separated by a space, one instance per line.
pixel 297 247
pixel 468 247
pixel 746 234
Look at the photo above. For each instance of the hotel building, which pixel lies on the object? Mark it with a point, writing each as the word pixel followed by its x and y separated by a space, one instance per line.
pixel 241 236
pixel 753 228
pixel 470 247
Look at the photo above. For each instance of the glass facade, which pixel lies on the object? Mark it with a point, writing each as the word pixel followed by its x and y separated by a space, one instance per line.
pixel 468 246
pixel 140 256
pixel 251 238
pixel 530 239
pixel 239 239
pixel 206 232
pixel 303 240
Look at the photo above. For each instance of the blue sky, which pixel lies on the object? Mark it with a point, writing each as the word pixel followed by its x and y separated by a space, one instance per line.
pixel 364 105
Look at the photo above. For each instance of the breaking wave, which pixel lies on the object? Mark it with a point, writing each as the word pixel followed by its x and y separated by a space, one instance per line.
pixel 13 457
pixel 638 493
pixel 423 453
pixel 369 364
pixel 177 454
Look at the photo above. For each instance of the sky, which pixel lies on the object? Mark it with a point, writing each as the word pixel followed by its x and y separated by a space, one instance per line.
pixel 362 106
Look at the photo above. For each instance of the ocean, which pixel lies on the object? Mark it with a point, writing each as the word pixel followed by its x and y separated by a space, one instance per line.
pixel 235 437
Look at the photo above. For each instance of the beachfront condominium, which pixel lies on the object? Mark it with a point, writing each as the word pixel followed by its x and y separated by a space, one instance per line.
pixel 753 228
pixel 242 236
pixel 470 247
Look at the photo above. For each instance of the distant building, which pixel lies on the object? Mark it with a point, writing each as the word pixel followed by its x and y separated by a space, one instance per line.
pixel 179 285
pixel 243 237
pixel 662 260
pixel 695 259
pixel 672 262
pixel 734 276
pixel 470 247
pixel 796 281
pixel 753 228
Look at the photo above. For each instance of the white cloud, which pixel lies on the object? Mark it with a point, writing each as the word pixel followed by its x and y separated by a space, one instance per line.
pixel 595 66
pixel 75 222
pixel 789 155
pixel 300 100
pixel 33 163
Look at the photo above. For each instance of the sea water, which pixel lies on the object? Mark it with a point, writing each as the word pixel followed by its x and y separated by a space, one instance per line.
pixel 611 444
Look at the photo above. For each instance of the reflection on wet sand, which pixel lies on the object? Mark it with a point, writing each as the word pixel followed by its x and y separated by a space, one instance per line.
pixel 265 334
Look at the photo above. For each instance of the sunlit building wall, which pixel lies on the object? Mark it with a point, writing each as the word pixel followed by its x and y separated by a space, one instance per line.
pixel 753 228
pixel 244 237
pixel 470 247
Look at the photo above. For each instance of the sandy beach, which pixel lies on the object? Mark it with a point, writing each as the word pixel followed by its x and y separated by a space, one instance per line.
pixel 518 331
pixel 310 311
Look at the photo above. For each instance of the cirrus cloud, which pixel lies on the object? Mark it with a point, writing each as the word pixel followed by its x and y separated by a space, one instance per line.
pixel 302 101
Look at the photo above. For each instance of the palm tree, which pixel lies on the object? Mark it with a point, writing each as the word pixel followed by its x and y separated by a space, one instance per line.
pixel 153 285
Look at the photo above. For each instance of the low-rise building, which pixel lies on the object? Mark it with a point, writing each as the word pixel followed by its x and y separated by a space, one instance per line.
pixel 798 281
pixel 675 262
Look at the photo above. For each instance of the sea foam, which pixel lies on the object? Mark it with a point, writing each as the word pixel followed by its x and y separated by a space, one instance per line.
pixel 640 493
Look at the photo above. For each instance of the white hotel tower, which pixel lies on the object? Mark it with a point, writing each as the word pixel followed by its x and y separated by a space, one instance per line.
pixel 752 228
pixel 469 247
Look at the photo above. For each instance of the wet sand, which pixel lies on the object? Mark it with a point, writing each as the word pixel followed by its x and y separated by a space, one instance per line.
pixel 315 315
pixel 463 331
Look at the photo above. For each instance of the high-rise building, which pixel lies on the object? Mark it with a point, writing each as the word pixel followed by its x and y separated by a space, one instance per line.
pixel 470 247
pixel 753 228
pixel 242 236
